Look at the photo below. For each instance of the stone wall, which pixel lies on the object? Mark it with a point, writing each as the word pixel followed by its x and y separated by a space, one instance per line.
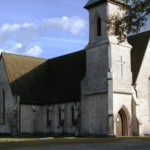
pixel 6 117
pixel 36 119
pixel 143 100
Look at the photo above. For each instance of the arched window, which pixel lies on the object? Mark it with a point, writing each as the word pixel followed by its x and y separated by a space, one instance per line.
pixel 3 105
pixel 98 26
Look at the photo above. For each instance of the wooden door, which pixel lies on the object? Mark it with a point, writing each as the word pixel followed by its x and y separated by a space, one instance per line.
pixel 119 125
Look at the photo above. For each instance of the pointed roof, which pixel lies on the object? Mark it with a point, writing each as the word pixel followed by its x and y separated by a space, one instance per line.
pixel 139 44
pixel 42 81
pixel 91 3
pixel 18 65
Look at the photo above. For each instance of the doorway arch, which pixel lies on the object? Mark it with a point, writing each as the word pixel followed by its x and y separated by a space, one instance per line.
pixel 122 122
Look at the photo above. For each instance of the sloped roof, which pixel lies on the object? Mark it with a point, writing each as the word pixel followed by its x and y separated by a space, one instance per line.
pixel 65 75
pixel 42 81
pixel 18 65
pixel 139 44
pixel 91 3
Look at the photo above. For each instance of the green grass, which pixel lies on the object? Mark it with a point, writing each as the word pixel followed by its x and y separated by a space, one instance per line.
pixel 25 136
pixel 61 141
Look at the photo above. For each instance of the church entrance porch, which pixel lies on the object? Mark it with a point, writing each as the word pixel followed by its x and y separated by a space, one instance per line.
pixel 122 124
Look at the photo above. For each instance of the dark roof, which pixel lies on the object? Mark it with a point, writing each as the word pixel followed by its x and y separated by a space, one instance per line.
pixel 46 81
pixel 91 3
pixel 139 44
pixel 65 75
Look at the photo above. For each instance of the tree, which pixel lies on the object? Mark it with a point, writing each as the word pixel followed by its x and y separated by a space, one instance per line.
pixel 132 21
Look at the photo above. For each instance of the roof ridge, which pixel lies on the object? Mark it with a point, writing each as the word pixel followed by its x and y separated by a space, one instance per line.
pixel 141 33
pixel 22 55
pixel 66 54
pixel 91 3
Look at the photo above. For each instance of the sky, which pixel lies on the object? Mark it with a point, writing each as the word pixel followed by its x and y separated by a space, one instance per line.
pixel 44 28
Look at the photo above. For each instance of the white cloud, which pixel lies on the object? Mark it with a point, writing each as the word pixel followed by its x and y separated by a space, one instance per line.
pixel 1 50
pixel 34 51
pixel 7 27
pixel 14 48
pixel 17 46
pixel 17 38
pixel 16 32
pixel 73 25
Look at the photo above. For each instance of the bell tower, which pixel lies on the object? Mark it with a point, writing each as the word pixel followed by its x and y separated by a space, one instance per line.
pixel 108 71
pixel 99 10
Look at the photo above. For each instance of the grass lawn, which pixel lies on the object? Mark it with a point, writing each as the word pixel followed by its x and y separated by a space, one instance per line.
pixel 36 143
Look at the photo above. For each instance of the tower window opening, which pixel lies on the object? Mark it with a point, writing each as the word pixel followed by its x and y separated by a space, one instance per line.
pixel 99 26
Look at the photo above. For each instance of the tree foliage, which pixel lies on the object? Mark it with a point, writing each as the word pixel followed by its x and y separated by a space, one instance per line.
pixel 132 21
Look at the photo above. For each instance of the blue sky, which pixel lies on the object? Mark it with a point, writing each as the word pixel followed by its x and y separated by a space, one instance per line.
pixel 44 28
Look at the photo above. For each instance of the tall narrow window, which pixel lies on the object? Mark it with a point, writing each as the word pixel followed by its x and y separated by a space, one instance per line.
pixel 34 119
pixel 73 118
pixel 48 123
pixel 3 105
pixel 59 116
pixel 99 26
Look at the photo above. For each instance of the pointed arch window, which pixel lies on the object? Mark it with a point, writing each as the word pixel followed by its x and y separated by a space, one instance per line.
pixel 99 26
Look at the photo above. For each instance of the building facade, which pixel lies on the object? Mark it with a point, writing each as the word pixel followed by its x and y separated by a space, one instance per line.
pixel 103 90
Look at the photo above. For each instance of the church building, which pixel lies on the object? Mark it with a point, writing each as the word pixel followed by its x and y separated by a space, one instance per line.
pixel 102 90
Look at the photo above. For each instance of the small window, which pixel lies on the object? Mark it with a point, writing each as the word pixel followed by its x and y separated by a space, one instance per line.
pixel 59 116
pixel 48 122
pixel 99 26
pixel 73 118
